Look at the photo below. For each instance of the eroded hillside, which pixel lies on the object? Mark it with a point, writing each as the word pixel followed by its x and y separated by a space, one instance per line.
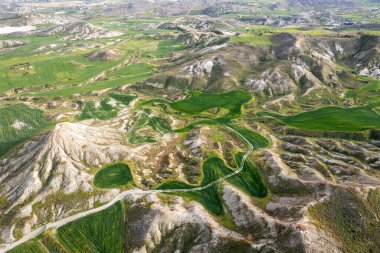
pixel 192 126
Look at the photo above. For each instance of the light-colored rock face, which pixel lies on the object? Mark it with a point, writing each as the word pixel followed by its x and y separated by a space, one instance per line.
pixel 75 30
pixel 60 160
pixel 270 83
pixel 11 43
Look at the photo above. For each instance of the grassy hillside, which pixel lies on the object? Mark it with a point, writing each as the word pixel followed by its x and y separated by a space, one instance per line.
pixel 18 123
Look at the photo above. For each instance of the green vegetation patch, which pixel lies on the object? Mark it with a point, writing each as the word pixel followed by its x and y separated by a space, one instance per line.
pixel 333 119
pixel 54 71
pixel 256 140
pixel 249 180
pixel 32 246
pixel 368 93
pixel 199 102
pixel 125 99
pixel 18 123
pixel 113 176
pixel 106 108
pixel 145 126
pixel 99 232
pixel 253 39
pixel 102 110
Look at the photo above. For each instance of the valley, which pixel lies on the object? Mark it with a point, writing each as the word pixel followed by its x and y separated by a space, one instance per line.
pixel 189 126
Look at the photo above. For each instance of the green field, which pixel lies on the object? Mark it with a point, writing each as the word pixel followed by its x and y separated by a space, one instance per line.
pixel 249 180
pixel 100 85
pixel 113 176
pixel 63 70
pixel 99 232
pixel 96 233
pixel 253 39
pixel 199 102
pixel 146 121
pixel 333 119
pixel 18 123
pixel 256 140
pixel 30 247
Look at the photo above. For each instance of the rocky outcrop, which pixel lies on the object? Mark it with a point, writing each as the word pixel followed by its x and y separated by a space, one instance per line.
pixel 104 55
pixel 75 31
pixel 152 225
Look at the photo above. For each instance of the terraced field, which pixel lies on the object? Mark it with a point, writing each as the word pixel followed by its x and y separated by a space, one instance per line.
pixel 113 176
pixel 18 123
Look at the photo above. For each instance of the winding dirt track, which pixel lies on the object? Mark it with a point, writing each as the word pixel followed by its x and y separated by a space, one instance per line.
pixel 121 196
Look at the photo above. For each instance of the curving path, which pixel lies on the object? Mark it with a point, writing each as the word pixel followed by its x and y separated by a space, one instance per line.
pixel 121 196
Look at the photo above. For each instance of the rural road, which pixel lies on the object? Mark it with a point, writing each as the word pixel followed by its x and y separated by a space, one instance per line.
pixel 121 196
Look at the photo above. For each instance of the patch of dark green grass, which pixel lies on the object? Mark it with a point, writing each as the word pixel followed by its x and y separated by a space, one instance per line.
pixel 333 119
pixel 256 140
pixel 113 176
pixel 99 232
pixel 249 180
pixel 199 102
pixel 125 99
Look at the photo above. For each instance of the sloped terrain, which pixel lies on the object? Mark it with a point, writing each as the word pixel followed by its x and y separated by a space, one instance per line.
pixel 190 126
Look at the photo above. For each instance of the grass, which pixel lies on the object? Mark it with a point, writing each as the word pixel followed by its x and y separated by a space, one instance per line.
pixel 214 168
pixel 253 39
pixel 113 176
pixel 32 246
pixel 105 109
pixel 333 119
pixel 351 219
pixel 199 102
pixel 131 70
pixel 256 140
pixel 125 99
pixel 52 244
pixel 367 93
pixel 18 123
pixel 101 85
pixel 101 111
pixel 57 70
pixel 146 121
pixel 99 232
